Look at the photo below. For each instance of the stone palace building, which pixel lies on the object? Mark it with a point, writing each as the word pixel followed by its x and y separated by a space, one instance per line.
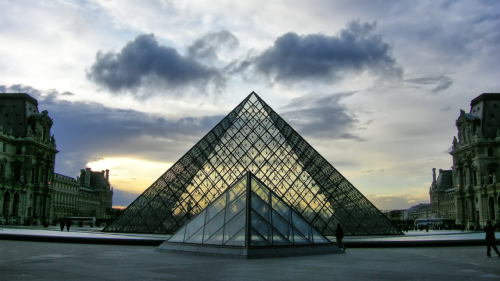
pixel 30 191
pixel 469 193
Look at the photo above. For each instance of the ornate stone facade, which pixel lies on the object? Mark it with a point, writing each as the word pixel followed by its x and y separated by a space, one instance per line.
pixel 442 193
pixel 66 197
pixel 90 195
pixel 30 191
pixel 476 160
pixel 27 158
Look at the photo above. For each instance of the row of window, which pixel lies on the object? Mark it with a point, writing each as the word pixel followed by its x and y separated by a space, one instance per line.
pixel 65 186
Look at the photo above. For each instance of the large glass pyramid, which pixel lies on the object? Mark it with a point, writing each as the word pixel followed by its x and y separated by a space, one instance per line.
pixel 253 137
pixel 249 216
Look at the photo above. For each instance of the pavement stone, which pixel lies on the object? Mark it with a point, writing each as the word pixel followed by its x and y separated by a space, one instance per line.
pixel 27 260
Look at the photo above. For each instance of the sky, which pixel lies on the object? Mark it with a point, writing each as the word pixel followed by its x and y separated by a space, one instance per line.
pixel 374 86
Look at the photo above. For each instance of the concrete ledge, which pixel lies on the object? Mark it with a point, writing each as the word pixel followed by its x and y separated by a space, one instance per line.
pixel 250 252
pixel 82 240
pixel 406 244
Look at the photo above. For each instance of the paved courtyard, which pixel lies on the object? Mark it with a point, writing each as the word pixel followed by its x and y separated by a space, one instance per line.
pixel 24 260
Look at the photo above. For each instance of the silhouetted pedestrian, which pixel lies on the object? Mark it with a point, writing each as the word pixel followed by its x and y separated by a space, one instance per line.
pixel 68 224
pixel 339 234
pixel 61 224
pixel 490 239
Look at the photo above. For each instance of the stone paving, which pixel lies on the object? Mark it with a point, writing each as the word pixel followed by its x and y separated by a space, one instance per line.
pixel 23 260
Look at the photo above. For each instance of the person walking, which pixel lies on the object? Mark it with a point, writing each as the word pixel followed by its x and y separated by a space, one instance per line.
pixel 68 224
pixel 490 239
pixel 339 234
pixel 61 224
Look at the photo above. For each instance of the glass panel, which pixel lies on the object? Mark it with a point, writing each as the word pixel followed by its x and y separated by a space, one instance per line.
pixel 235 207
pixel 212 226
pixel 232 227
pixel 260 207
pixel 280 240
pixel 318 238
pixel 238 239
pixel 282 226
pixel 195 224
pixel 179 236
pixel 237 189
pixel 215 208
pixel 196 238
pixel 216 239
pixel 299 239
pixel 256 239
pixel 262 192
pixel 281 208
pixel 261 226
pixel 302 226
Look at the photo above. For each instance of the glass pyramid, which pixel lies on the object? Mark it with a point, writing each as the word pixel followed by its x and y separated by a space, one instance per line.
pixel 253 137
pixel 272 221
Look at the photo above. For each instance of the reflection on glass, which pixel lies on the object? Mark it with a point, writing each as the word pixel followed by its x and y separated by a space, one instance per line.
pixel 253 137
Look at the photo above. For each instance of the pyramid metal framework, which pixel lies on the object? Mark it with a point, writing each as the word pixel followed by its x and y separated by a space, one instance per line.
pixel 253 137
pixel 248 220
pixel 248 214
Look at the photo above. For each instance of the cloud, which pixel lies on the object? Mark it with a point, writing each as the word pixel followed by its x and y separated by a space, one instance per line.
pixel 87 131
pixel 367 171
pixel 297 58
pixel 391 202
pixel 322 116
pixel 144 66
pixel 208 46
pixel 436 83
pixel 123 198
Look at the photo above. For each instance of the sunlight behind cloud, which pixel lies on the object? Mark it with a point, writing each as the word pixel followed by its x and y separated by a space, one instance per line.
pixel 130 175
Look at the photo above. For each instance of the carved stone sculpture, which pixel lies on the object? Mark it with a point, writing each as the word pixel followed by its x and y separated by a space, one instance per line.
pixel 30 132
pixel 479 134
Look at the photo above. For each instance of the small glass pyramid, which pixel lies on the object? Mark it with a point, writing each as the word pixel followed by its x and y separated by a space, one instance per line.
pixel 253 137
pixel 272 221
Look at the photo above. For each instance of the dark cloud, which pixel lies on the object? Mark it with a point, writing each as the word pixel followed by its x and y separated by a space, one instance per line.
pixel 124 198
pixel 322 116
pixel 297 58
pixel 143 66
pixel 207 46
pixel 436 83
pixel 86 131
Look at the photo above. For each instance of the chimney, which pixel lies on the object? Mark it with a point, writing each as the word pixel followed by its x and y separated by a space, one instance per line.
pixel 433 175
pixel 87 176
pixel 82 175
pixel 107 175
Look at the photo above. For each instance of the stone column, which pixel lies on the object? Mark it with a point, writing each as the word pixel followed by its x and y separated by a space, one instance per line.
pixel 50 210
pixel 36 207
pixel 22 206
pixel 2 194
pixel 459 178
pixel 459 209
pixel 467 177
pixel 10 211
pixel 472 210
pixel 43 207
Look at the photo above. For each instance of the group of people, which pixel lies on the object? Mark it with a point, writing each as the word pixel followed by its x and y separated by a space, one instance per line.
pixel 66 222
